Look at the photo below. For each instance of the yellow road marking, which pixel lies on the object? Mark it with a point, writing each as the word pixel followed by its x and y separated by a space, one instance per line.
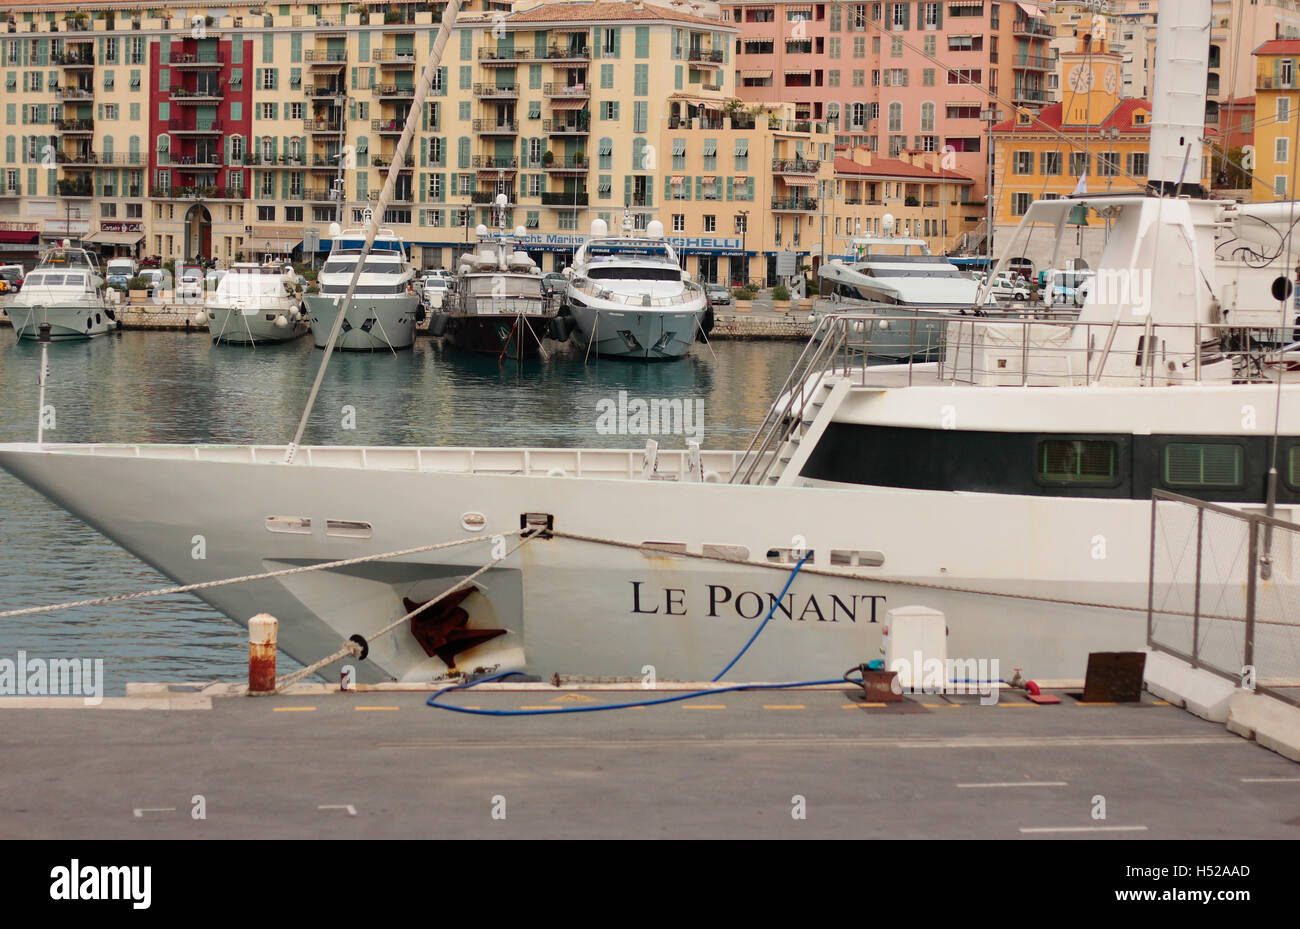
pixel 366 709
pixel 1015 704
pixel 783 706
pixel 846 706
pixel 935 706
pixel 1161 703
pixel 703 706
pixel 293 709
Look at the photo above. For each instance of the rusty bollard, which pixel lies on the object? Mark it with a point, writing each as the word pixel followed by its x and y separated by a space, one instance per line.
pixel 262 630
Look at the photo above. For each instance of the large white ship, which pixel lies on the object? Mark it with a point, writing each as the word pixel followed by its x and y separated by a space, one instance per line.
pixel 65 291
pixel 384 307
pixel 255 303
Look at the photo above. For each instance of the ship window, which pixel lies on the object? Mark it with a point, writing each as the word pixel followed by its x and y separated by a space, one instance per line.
pixel 730 552
pixel 1078 461
pixel 300 524
pixel 788 556
pixel 348 528
pixel 1293 467
pixel 866 559
pixel 1203 465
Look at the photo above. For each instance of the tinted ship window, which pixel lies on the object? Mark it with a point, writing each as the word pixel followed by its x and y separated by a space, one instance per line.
pixel 372 267
pixel 1075 461
pixel 635 274
pixel 1203 465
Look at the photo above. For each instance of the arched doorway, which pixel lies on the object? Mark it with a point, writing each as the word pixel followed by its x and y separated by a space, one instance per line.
pixel 198 233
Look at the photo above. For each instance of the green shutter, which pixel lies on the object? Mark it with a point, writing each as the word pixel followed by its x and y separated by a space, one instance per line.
pixel 643 41
pixel 442 188
pixel 699 187
pixel 677 78
pixel 236 49
pixel 730 185
pixel 295 47
pixel 164 111
pixel 363 46
pixel 627 189
pixel 466 44
pixel 617 37
pixel 668 187
pixel 268 48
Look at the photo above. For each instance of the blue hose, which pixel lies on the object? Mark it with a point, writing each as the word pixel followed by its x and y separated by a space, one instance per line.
pixel 676 698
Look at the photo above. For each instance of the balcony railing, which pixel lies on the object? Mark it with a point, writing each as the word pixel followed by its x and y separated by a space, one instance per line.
pixel 482 196
pixel 794 203
pixel 198 193
pixel 388 126
pixel 507 91
pixel 1030 27
pixel 1036 62
pixel 317 195
pixel 557 89
pixel 795 166
pixel 563 198
pixel 492 161
pixel 1032 96
pixel 323 56
pixel 1271 83
pixel 700 54
pixel 513 54
pixel 321 125
pixel 566 126
pixel 214 126
pixel 74 93
pixel 580 52
pixel 75 125
pixel 264 160
pixel 75 189
pixel 385 161
pixel 391 56
pixel 496 127
pixel 203 95
pixel 392 90
pixel 204 160
pixel 73 59
pixel 572 163
pixel 197 59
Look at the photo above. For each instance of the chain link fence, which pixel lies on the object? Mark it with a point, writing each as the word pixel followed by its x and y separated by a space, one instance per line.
pixel 1224 592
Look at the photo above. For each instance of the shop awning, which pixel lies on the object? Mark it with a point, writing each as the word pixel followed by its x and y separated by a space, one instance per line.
pixel 796 71
pixel 114 238
pixel 1030 10
pixel 562 104
pixel 19 236
pixel 678 180
pixel 763 75
pixel 796 181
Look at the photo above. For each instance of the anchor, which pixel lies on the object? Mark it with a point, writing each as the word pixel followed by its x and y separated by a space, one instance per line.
pixel 442 630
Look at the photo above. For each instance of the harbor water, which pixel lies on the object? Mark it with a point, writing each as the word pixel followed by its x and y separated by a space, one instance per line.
pixel 178 387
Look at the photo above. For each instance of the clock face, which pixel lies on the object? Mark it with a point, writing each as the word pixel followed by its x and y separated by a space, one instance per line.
pixel 1112 80
pixel 1080 79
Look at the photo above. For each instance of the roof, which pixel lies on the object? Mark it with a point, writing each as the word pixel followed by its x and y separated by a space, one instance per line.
pixel 608 12
pixel 1279 47
pixel 893 167
pixel 1049 118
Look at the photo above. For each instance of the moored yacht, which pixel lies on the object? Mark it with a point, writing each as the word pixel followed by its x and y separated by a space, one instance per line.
pixel 256 303
pixel 384 308
pixel 630 297
pixel 1007 484
pixel 65 290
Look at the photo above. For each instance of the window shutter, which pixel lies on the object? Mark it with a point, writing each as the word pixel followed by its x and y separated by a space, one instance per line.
pixel 668 187
pixel 699 187
pixel 424 155
pixel 442 188
pixel 730 186
pixel 627 189
pixel 424 189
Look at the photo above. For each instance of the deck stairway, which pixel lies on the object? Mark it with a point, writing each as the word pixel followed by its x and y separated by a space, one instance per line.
pixel 803 408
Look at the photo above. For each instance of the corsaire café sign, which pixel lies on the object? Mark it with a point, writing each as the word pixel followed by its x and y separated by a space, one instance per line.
pixel 121 227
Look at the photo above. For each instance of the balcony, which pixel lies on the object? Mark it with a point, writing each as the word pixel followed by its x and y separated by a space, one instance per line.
pixel 1020 95
pixel 322 125
pixel 211 127
pixel 197 193
pixel 501 56
pixel 74 93
pixel 574 163
pixel 315 92
pixel 482 196
pixel 704 56
pixel 326 162
pixel 571 52
pixel 496 92
pixel 318 195
pixel 389 126
pixel 565 198
pixel 70 59
pixel 1268 82
pixel 75 126
pixel 394 92
pixel 391 57
pixel 566 126
pixel 794 204
pixel 1032 29
pixel 71 188
pixel 795 166
pixel 322 58
pixel 190 162
pixel 199 59
pixel 386 161
pixel 195 97
pixel 496 127
pixel 1034 62
pixel 493 163
pixel 266 160
pixel 567 91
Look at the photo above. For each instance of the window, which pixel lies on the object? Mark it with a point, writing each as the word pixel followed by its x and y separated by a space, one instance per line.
pixel 293 214
pixel 1020 203
pixel 1107 164
pixel 740 221
pixel 679 222
pixel 965 76
pixel 1283 109
pixel 266 214
pixel 859 47
pixel 1202 465
pixel 1022 163
pixel 1281 149
pixel 896 46
pixel 268 111
pixel 1078 461
pixel 927 119
pixel 609 41
pixel 710 223
pixel 1137 164
pixel 899 16
pixel 1079 163
pixel 1050 163
pixel 895 117
pixel 742 155
pixel 965 43
pixel 268 79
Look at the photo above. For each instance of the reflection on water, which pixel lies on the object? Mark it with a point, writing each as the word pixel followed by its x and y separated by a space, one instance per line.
pixel 177 387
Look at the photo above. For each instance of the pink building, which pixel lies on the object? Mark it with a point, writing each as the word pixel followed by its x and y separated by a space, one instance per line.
pixel 896 76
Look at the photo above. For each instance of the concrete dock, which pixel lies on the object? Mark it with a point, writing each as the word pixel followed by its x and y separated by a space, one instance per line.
pixel 180 761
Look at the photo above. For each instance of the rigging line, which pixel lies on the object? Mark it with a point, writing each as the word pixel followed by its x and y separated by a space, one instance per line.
pixel 422 92
pixel 1286 299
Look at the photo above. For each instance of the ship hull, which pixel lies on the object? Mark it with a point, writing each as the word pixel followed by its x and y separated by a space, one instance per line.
pixel 240 326
pixel 648 335
pixel 520 336
pixel 67 321
pixel 370 325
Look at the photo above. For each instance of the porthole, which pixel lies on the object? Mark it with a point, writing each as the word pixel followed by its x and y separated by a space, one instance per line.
pixel 295 524
pixel 348 528
pixel 473 522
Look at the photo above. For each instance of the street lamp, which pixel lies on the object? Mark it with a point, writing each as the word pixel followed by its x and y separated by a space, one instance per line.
pixel 744 253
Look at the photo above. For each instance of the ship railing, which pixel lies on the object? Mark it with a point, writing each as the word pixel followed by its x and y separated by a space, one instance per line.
pixel 505 304
pixel 690 294
pixel 1223 592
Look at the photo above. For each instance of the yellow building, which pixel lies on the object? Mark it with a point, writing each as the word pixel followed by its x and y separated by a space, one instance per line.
pixel 1274 119
pixel 175 132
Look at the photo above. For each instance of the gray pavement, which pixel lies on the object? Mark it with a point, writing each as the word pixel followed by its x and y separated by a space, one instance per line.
pixel 735 765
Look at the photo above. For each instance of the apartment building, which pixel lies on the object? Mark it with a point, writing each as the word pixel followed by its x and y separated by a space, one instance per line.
pixel 894 77
pixel 1276 100
pixel 249 129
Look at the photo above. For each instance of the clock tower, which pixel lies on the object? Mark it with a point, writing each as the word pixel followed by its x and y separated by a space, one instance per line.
pixel 1090 77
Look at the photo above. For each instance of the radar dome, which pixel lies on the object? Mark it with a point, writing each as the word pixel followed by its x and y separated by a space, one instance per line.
pixel 502 200
pixel 654 229
pixel 520 231
pixel 599 227
pixel 334 230
pixel 887 223
pixel 480 230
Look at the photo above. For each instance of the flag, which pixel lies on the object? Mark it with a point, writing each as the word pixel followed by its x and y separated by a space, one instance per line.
pixel 1082 186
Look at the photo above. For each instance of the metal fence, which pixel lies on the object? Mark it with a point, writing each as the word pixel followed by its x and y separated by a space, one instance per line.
pixel 1224 592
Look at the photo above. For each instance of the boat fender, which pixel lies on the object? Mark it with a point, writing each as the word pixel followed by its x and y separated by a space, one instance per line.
pixel 712 477
pixel 281 321
pixel 557 472
pixel 365 646
pixel 200 319
pixel 420 314
pixel 110 314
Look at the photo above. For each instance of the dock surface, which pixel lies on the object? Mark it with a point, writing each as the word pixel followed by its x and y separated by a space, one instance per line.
pixel 381 764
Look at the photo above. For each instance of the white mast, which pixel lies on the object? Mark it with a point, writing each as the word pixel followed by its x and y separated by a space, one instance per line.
pixel 1178 96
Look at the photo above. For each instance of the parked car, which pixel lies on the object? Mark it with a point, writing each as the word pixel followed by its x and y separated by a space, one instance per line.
pixel 12 275
pixel 155 279
pixel 1008 287
pixel 717 295
pixel 117 282
pixel 553 283
pixel 190 285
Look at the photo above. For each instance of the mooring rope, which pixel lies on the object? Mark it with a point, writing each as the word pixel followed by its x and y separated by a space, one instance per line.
pixel 353 648
pixel 265 575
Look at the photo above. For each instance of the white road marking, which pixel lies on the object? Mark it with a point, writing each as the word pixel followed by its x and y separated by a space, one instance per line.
pixel 352 811
pixel 1270 780
pixel 141 810
pixel 1019 784
pixel 1083 828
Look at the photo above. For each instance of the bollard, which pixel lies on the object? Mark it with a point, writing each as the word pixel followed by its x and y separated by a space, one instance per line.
pixel 262 630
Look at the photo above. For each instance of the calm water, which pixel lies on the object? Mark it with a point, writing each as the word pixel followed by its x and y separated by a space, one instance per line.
pixel 174 387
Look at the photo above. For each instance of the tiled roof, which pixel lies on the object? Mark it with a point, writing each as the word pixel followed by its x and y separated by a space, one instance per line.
pixel 1279 47
pixel 1049 118
pixel 893 167
pixel 607 12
